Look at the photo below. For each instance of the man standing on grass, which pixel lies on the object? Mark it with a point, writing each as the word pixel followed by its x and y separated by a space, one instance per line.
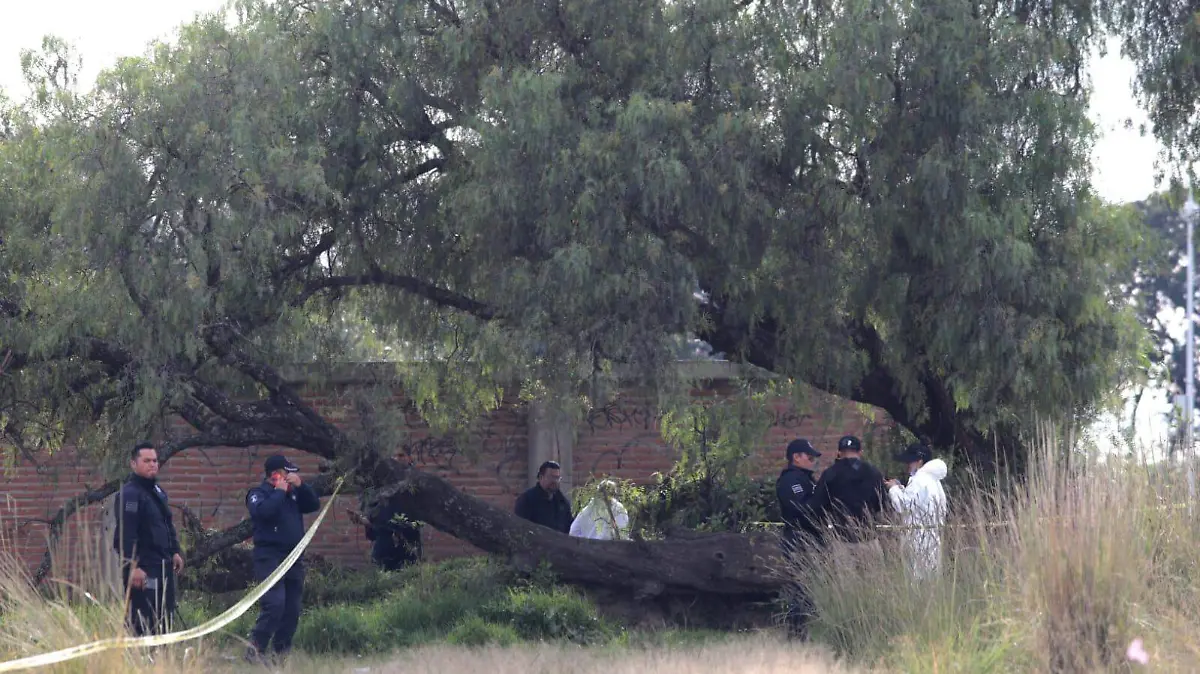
pixel 148 545
pixel 544 503
pixel 277 508
pixel 794 489
pixel 849 496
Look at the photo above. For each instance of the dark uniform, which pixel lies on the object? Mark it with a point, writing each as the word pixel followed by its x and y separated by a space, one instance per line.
pixel 848 496
pixel 794 489
pixel 545 508
pixel 395 544
pixel 278 518
pixel 146 533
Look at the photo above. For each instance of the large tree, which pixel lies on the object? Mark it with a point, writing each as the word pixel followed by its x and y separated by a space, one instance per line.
pixel 887 201
pixel 1163 41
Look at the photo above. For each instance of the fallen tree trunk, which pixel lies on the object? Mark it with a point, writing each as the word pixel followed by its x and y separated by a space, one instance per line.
pixel 728 565
pixel 731 565
pixel 717 564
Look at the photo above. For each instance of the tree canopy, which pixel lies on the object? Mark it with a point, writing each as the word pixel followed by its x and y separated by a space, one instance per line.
pixel 887 201
pixel 1163 41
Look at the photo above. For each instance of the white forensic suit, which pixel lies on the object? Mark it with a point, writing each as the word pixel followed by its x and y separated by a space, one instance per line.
pixel 922 506
pixel 602 519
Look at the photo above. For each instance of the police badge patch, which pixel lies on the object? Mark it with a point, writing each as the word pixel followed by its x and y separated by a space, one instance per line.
pixel 254 498
pixel 131 506
pixel 797 489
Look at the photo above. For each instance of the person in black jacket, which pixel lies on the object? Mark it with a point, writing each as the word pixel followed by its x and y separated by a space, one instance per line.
pixel 544 503
pixel 277 508
pixel 794 489
pixel 396 541
pixel 849 496
pixel 146 540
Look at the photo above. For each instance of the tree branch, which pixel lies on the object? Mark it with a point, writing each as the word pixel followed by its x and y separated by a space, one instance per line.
pixel 309 257
pixel 444 12
pixel 438 295
pixel 222 338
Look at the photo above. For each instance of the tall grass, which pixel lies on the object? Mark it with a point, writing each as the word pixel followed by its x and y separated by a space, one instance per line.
pixel 77 604
pixel 1059 574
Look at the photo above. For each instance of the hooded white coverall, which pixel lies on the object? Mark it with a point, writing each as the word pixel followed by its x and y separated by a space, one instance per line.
pixel 922 506
pixel 595 521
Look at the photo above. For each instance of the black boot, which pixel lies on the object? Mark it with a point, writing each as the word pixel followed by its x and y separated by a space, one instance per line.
pixel 797 626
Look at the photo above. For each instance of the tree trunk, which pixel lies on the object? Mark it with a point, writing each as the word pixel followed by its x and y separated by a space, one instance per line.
pixel 715 564
pixel 734 566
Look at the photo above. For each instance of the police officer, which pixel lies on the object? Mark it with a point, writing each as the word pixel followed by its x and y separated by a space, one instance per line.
pixel 148 545
pixel 849 496
pixel 277 508
pixel 794 489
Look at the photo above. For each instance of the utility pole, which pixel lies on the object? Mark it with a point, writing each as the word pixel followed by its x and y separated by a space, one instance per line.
pixel 1189 215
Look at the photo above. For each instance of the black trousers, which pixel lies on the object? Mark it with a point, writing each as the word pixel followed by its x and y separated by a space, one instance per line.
pixel 393 562
pixel 279 608
pixel 799 612
pixel 800 609
pixel 395 556
pixel 151 607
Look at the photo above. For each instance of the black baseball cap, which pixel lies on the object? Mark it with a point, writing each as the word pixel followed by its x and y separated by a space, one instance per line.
pixel 279 462
pixel 915 452
pixel 801 446
pixel 849 443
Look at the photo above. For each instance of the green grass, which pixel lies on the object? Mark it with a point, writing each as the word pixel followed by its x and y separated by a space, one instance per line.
pixel 465 600
pixel 1059 574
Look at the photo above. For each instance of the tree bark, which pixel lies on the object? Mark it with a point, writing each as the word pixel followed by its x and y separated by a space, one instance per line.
pixel 938 419
pixel 734 566
pixel 715 564
pixel 729 565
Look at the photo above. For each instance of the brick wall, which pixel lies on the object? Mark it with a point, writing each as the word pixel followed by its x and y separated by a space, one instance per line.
pixel 620 440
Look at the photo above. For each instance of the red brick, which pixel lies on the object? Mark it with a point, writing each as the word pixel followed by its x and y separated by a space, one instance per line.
pixel 621 440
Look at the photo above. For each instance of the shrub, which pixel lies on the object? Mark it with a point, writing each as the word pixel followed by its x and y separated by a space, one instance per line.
pixel 550 614
pixel 342 628
pixel 475 631
pixel 355 586
pixel 1058 574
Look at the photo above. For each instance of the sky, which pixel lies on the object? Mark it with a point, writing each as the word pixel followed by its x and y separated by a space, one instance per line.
pixel 103 30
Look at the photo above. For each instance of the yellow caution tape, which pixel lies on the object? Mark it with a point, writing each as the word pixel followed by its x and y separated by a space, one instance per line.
pixel 175 637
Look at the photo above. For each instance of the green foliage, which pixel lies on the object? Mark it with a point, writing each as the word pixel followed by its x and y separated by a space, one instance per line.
pixel 355 586
pixel 1159 285
pixel 1163 42
pixel 476 631
pixel 712 486
pixel 888 201
pixel 709 487
pixel 468 601
pixel 551 613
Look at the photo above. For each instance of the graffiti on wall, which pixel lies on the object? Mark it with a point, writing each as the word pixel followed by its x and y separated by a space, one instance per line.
pixel 643 417
pixel 501 436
